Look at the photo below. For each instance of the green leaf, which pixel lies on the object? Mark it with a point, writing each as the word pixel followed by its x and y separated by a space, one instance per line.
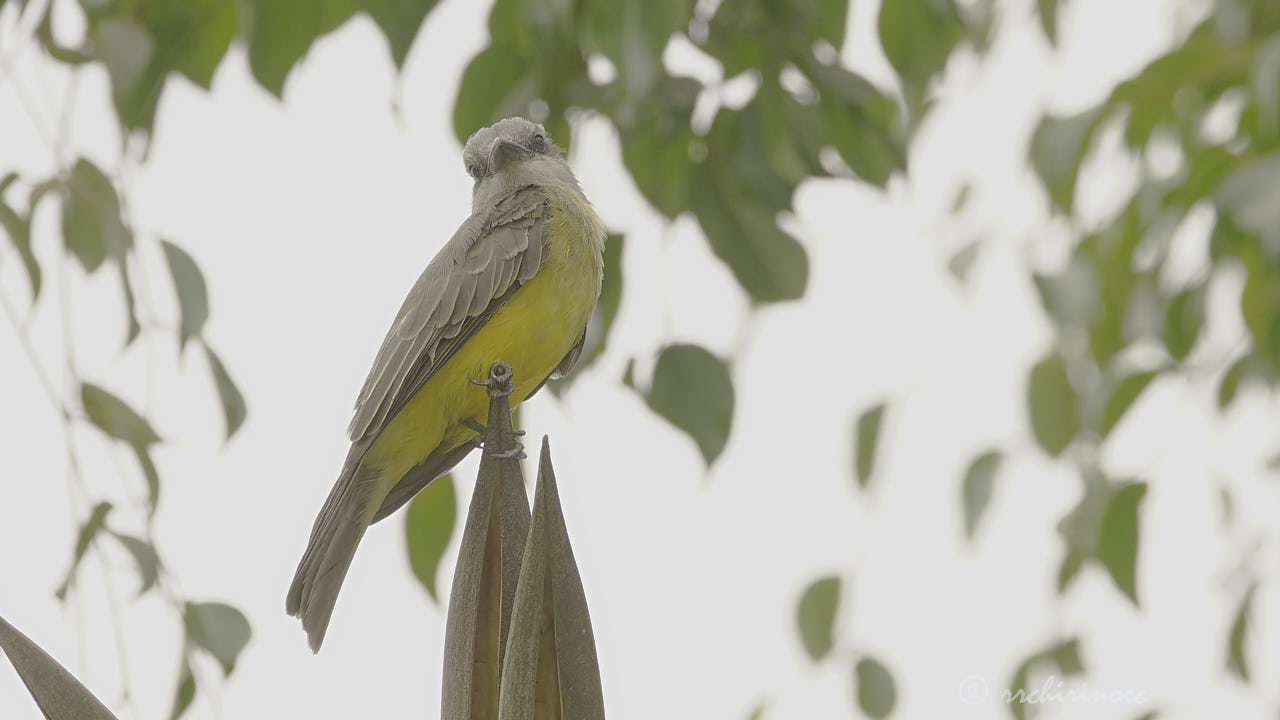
pixel 494 86
pixel 866 435
pixel 816 616
pixel 399 21
pixel 193 294
pixel 743 232
pixel 917 37
pixel 979 485
pixel 18 229
pixel 186 691
pixel 962 262
pixel 1057 149
pixel 656 153
pixel 1053 405
pixel 145 556
pixel 88 531
pixel 219 629
pixel 428 528
pixel 115 418
pixel 1064 656
pixel 1182 321
pixel 193 35
pixel 1079 528
pixel 1049 19
pixel 233 405
pixel 1118 539
pixel 877 693
pixel 282 31
pixel 692 389
pixel 861 121
pixel 128 51
pixel 1230 384
pixel 1237 656
pixel 91 225
pixel 1122 396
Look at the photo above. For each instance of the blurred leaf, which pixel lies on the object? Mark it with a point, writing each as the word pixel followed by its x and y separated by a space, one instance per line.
pixel 57 693
pixel 1057 149
pixel 1203 63
pixel 866 435
pixel 767 262
pixel 115 418
pixel 130 304
pixel 186 691
pixel 979 485
pixel 1049 19
pixel 877 693
pixel 1250 192
pixel 1063 656
pixel 1079 528
pixel 861 122
pixel 282 31
pixel 757 713
pixel 692 389
pixel 494 86
pixel 1230 384
pixel 1118 539
pixel 1237 658
pixel 399 21
pixel 18 229
pixel 1228 503
pixel 88 531
pixel 656 147
pixel 1182 321
pixel 233 405
pixel 219 629
pixel 193 294
pixel 428 528
pixel 193 35
pixel 961 200
pixel 127 50
pixel 145 556
pixel 816 616
pixel 91 224
pixel 1053 405
pixel 917 37
pixel 962 262
pixel 1122 396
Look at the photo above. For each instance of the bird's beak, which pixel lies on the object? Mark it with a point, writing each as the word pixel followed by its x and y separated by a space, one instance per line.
pixel 501 152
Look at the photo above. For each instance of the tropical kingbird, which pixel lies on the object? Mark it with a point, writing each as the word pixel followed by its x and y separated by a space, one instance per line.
pixel 517 282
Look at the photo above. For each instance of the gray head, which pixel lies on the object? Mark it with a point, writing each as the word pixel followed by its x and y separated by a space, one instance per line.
pixel 509 154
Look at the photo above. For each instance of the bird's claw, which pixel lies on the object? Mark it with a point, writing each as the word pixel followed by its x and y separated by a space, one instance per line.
pixel 516 452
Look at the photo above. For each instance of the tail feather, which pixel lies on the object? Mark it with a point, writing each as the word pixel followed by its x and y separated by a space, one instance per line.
pixel 334 538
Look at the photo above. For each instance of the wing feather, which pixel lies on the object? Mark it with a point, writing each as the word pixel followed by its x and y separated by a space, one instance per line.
pixel 487 259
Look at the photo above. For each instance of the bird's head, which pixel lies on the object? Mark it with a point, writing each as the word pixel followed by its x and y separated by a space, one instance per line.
pixel 512 153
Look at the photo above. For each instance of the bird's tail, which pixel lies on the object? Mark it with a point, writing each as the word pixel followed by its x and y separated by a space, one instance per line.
pixel 334 537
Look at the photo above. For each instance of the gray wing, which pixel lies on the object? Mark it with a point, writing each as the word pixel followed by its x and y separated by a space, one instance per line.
pixel 487 259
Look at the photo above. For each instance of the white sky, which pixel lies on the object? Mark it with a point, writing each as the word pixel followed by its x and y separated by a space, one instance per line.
pixel 311 219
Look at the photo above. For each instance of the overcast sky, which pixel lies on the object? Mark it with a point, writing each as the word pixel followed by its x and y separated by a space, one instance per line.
pixel 312 217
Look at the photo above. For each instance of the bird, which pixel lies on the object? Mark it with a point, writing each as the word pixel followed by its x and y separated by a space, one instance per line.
pixel 516 283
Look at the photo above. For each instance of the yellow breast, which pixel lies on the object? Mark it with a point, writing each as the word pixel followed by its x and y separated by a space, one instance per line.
pixel 532 331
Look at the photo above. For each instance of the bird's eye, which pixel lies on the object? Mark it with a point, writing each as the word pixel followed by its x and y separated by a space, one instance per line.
pixel 539 143
pixel 474 171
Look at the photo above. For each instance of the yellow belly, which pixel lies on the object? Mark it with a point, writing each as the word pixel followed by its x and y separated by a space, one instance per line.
pixel 532 332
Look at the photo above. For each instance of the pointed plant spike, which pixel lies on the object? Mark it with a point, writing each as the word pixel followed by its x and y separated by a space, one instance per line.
pixel 58 694
pixel 484 579
pixel 551 669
